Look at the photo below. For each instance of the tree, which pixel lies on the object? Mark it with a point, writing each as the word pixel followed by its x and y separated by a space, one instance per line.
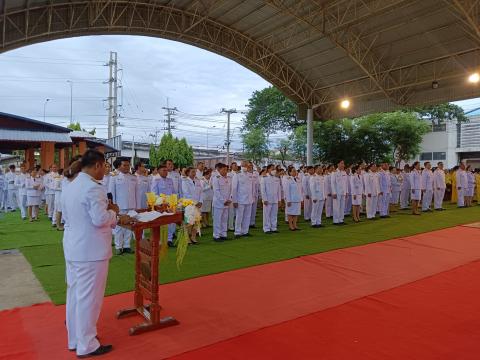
pixel 298 144
pixel 440 113
pixel 405 134
pixel 271 111
pixel 77 127
pixel 283 150
pixel 171 148
pixel 256 145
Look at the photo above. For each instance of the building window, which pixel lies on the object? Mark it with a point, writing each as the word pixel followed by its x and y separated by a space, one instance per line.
pixel 426 156
pixel 439 156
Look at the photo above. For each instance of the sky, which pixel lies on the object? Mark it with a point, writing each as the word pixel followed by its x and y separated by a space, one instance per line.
pixel 195 81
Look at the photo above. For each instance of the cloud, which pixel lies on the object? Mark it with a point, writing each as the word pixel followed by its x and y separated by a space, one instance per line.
pixel 195 81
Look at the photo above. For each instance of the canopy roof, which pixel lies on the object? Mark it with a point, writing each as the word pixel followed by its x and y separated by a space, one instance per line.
pixel 381 54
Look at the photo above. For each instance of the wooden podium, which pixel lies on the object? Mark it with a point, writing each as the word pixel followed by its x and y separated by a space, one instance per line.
pixel 146 275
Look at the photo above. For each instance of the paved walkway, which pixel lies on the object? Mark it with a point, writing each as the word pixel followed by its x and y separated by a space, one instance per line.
pixel 18 284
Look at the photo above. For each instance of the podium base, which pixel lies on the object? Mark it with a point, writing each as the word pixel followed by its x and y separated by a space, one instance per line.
pixel 147 326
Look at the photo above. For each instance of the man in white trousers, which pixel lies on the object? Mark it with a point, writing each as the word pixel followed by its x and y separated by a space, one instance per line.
pixel 307 198
pixel 49 183
pixel 372 191
pixel 271 194
pixel 439 187
pixel 89 220
pixel 222 198
pixel 12 191
pixel 385 191
pixel 462 184
pixel 22 190
pixel 427 187
pixel 242 199
pixel 339 181
pixel 317 192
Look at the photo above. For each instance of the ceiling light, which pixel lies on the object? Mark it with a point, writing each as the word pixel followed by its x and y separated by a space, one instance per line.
pixel 474 78
pixel 345 104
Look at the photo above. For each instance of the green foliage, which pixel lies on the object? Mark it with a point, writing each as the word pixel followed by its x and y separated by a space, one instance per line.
pixel 298 144
pixel 77 127
pixel 381 137
pixel 271 111
pixel 172 148
pixel 256 145
pixel 442 112
pixel 282 150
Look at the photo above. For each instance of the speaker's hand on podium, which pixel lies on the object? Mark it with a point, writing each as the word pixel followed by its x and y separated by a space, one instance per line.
pixel 125 220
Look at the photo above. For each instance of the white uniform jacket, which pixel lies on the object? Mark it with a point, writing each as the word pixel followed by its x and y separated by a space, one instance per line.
pixel 88 223
pixel 317 187
pixel 123 188
pixel 192 189
pixel 339 181
pixel 270 189
pixel 242 188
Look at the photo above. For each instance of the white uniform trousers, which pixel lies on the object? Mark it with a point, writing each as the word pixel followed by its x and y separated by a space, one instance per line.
pixel 317 210
pixel 328 206
pixel 438 196
pixel 50 199
pixel 427 199
pixel 270 213
pixel 3 199
pixel 348 204
pixel 122 236
pixel 22 204
pixel 85 291
pixel 461 197
pixel 12 199
pixel 242 220
pixel 307 209
pixel 394 197
pixel 253 212
pixel 220 219
pixel 231 217
pixel 404 199
pixel 371 206
pixel 338 206
pixel 384 200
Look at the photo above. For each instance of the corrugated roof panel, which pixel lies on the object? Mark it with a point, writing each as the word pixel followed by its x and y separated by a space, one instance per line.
pixel 34 136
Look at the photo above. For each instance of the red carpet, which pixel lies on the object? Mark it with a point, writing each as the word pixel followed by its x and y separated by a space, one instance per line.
pixel 220 307
pixel 437 318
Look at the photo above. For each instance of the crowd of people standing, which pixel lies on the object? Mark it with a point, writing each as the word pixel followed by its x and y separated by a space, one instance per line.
pixel 231 195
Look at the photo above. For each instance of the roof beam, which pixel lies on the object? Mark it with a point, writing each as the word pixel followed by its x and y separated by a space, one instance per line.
pixel 357 50
pixel 468 11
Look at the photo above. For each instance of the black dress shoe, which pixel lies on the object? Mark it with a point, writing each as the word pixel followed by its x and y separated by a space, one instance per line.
pixel 253 227
pixel 268 232
pixel 218 239
pixel 237 236
pixel 170 244
pixel 275 231
pixel 128 251
pixel 102 350
pixel 247 234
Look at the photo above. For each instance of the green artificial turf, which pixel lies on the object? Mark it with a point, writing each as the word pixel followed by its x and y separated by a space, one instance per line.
pixel 42 247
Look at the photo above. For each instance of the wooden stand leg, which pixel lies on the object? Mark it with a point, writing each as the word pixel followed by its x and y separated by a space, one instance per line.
pixel 163 323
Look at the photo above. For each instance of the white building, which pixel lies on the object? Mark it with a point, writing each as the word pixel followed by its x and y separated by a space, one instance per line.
pixel 451 143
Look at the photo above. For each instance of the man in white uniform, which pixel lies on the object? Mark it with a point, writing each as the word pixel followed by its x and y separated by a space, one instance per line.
pixel 242 199
pixel 439 187
pixel 12 193
pixel 89 220
pixel 307 196
pixel 385 191
pixel 339 180
pixel 271 195
pixel 49 183
pixel 462 185
pixel 222 190
pixel 427 187
pixel 256 192
pixel 175 176
pixel 123 189
pixel 22 191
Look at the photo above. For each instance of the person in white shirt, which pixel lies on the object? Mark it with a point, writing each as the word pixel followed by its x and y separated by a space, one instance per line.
pixel 385 191
pixel 89 220
pixel 107 176
pixel 123 189
pixel 348 197
pixel 356 188
pixel 372 190
pixel 416 187
pixel 232 212
pixel 192 189
pixel 143 185
pixel 12 192
pixel 292 190
pixel 34 186
pixel 207 197
pixel 439 187
pixel 256 194
pixel 222 198
pixel 317 192
pixel 48 182
pixel 22 190
pixel 405 188
pixel 3 191
pixel 328 190
pixel 242 199
pixel 470 186
pixel 200 170
pixel 462 185
pixel 396 186
pixel 307 202
pixel 427 187
pixel 271 195
pixel 57 204
pixel 339 181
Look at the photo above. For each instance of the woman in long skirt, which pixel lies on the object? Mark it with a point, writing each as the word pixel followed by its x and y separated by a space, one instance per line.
pixel 293 198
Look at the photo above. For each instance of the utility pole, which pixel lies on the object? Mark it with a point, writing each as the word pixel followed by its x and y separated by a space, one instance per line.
pixel 113 95
pixel 227 142
pixel 169 119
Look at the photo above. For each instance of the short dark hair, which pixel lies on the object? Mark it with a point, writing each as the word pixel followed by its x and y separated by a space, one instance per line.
pixel 161 166
pixel 12 167
pixel 138 164
pixel 92 157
